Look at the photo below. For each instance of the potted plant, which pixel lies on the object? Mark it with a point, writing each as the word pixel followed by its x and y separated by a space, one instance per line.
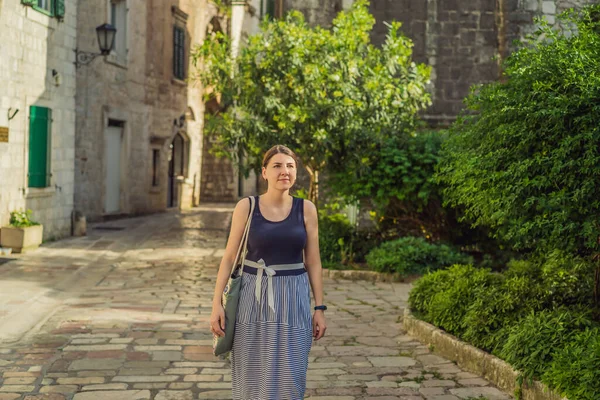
pixel 22 234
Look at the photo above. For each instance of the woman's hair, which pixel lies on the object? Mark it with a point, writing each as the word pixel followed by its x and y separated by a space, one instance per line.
pixel 278 149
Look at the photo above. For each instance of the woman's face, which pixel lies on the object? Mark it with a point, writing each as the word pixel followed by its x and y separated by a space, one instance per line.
pixel 280 172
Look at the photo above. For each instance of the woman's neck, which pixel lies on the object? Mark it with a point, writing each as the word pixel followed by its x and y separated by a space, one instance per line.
pixel 277 197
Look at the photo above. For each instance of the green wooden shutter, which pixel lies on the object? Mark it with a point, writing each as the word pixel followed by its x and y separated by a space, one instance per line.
pixel 29 2
pixel 59 9
pixel 40 119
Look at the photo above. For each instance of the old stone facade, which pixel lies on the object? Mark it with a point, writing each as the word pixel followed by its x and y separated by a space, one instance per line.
pixel 139 121
pixel 464 41
pixel 37 111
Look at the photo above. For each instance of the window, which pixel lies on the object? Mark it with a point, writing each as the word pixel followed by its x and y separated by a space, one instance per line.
pixel 179 52
pixel 271 8
pixel 40 121
pixel 53 8
pixel 155 166
pixel 118 19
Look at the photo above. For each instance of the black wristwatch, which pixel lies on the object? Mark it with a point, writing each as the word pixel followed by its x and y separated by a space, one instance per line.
pixel 322 307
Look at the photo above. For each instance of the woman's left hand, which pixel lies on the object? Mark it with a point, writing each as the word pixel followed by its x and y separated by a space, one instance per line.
pixel 319 325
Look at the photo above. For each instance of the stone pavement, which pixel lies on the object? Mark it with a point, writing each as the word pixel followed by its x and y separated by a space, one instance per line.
pixel 122 314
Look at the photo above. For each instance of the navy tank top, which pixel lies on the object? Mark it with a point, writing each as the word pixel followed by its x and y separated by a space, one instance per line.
pixel 278 242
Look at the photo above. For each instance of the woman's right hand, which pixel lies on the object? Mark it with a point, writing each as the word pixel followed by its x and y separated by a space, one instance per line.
pixel 217 320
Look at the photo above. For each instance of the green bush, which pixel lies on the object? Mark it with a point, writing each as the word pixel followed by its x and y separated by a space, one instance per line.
pixel 426 287
pixel 449 307
pixel 568 280
pixel 523 159
pixel 335 238
pixel 413 255
pixel 21 219
pixel 575 368
pixel 531 343
pixel 498 307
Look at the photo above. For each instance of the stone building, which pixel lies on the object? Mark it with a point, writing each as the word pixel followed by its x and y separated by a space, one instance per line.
pixel 139 121
pixel 37 111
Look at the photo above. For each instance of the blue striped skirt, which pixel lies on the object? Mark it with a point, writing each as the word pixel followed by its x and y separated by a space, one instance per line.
pixel 269 358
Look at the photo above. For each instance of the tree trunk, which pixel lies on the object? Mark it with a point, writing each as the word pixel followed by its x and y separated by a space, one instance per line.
pixel 313 191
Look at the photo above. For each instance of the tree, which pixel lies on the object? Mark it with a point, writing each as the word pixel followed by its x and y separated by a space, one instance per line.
pixel 524 160
pixel 327 94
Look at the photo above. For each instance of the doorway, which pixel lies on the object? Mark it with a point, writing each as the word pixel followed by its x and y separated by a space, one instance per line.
pixel 113 140
pixel 176 169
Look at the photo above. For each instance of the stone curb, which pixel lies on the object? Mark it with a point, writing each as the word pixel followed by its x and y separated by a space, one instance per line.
pixel 369 276
pixel 475 360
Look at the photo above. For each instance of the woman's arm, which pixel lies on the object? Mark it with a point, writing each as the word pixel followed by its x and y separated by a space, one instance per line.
pixel 238 223
pixel 312 260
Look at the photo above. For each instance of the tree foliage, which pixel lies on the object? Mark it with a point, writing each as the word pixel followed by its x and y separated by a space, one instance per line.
pixel 524 160
pixel 326 93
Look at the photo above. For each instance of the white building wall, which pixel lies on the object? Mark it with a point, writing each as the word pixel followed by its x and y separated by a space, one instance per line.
pixel 32 46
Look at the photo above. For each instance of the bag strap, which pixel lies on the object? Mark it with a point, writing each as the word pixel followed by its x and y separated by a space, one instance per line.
pixel 242 248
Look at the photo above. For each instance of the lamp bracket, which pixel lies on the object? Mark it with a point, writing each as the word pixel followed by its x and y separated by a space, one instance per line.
pixel 84 57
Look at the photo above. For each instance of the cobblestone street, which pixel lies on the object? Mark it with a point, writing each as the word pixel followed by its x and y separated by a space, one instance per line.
pixel 122 314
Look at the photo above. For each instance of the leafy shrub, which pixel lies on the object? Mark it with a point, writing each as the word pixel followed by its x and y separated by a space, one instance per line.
pixel 21 219
pixel 568 280
pixel 575 368
pixel 335 236
pixel 448 307
pixel 523 159
pixel 413 255
pixel 500 306
pixel 419 298
pixel 531 343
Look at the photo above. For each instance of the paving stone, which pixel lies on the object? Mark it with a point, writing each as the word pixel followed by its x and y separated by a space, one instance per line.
pixel 99 347
pixel 151 386
pixel 392 361
pixel 80 381
pixel 215 394
pixel 45 396
pixel 17 388
pixel 59 389
pixel 473 382
pixel 106 386
pixel 9 396
pixel 438 383
pixel 87 364
pixel 490 393
pixel 134 379
pixel 181 385
pixel 114 395
pixel 19 380
pixel 174 395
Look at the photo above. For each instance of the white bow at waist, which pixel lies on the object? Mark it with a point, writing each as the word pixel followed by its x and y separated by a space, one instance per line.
pixel 261 267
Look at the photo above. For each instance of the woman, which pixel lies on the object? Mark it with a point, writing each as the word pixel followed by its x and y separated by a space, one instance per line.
pixel 273 328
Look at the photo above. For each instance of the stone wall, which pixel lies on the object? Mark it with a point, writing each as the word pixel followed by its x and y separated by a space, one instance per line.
pixel 463 40
pixel 36 68
pixel 317 12
pixel 144 94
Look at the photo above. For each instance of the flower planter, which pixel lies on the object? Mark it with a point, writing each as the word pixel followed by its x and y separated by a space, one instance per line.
pixel 21 239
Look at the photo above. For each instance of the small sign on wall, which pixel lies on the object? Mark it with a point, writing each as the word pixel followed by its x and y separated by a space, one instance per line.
pixel 4 134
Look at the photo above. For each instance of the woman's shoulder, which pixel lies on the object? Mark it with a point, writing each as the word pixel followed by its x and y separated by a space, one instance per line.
pixel 309 207
pixel 242 208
